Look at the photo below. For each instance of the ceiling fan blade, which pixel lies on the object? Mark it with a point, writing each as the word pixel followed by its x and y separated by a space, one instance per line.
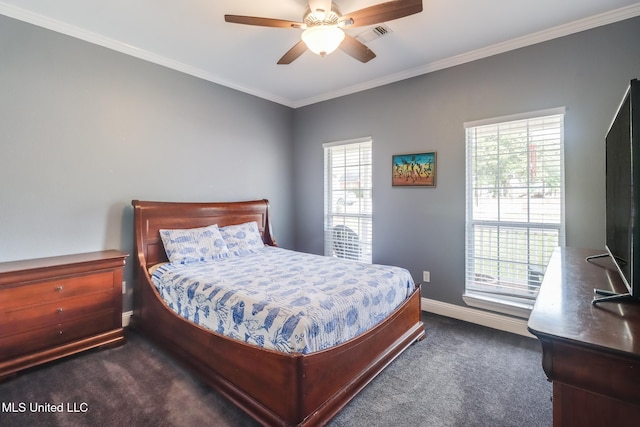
pixel 262 22
pixel 293 53
pixel 382 12
pixel 352 47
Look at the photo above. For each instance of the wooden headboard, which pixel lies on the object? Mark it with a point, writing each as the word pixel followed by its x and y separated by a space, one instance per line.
pixel 150 217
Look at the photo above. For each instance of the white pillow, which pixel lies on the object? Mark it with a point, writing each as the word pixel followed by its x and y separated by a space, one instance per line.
pixel 242 238
pixel 194 244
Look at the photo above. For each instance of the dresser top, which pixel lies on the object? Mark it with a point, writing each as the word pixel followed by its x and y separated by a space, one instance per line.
pixel 33 269
pixel 564 309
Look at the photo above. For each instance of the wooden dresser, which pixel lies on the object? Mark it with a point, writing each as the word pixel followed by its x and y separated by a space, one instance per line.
pixel 591 353
pixel 58 306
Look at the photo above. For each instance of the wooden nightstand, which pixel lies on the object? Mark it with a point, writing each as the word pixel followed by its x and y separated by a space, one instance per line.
pixel 58 306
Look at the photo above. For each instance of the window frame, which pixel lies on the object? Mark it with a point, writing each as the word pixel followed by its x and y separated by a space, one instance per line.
pixel 483 298
pixel 355 212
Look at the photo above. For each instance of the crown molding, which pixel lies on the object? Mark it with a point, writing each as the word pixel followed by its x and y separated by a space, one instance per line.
pixel 519 42
pixel 97 39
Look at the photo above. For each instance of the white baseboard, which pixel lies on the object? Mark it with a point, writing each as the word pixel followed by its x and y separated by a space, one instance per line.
pixel 484 318
pixel 126 317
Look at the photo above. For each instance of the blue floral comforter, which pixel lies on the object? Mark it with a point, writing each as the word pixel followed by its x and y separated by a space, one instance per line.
pixel 284 300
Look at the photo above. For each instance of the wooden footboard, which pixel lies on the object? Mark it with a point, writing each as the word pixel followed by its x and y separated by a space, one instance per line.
pixel 333 377
pixel 274 388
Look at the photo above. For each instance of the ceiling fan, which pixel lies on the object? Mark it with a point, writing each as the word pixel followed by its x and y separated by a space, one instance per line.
pixel 323 24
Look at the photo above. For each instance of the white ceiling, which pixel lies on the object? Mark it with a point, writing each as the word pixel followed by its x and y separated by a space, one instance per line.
pixel 191 36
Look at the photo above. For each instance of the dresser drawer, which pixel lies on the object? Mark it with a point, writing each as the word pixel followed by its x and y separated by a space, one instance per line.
pixel 54 290
pixel 39 316
pixel 61 333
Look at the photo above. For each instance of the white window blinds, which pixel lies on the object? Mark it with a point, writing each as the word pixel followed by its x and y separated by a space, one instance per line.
pixel 348 199
pixel 515 206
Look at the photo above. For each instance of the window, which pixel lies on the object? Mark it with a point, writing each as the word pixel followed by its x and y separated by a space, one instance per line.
pixel 515 208
pixel 348 200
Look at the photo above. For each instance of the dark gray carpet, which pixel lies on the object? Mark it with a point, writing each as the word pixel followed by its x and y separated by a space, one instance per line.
pixel 460 375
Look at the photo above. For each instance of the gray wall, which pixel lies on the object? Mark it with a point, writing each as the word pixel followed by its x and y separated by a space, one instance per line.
pixel 423 228
pixel 84 130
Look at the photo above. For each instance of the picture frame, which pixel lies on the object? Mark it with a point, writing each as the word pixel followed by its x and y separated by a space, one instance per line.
pixel 414 170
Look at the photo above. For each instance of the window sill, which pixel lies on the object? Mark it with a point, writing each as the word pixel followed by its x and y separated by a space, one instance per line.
pixel 500 306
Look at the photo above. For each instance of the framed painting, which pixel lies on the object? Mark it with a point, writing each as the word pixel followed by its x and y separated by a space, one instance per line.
pixel 414 170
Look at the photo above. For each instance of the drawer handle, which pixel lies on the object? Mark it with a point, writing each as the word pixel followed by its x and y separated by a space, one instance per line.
pixel 60 332
pixel 59 288
pixel 60 310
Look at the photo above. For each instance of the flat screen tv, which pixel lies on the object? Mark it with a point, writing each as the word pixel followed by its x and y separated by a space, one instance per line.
pixel 623 196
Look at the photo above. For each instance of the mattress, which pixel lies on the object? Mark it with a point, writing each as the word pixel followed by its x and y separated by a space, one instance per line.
pixel 284 300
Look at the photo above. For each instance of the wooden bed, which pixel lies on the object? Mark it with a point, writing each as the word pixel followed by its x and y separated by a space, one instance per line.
pixel 274 388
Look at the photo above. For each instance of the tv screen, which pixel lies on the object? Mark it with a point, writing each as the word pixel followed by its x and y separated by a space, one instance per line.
pixel 622 190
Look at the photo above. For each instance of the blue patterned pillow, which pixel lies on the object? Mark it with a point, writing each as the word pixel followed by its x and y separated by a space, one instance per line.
pixel 242 238
pixel 194 244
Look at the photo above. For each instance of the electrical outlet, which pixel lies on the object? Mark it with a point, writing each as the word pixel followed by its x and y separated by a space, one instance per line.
pixel 426 276
pixel 124 287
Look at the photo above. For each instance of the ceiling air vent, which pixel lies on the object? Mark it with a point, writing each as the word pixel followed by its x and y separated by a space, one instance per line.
pixel 373 33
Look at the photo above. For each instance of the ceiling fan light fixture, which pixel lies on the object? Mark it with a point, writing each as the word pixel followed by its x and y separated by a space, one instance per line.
pixel 323 39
